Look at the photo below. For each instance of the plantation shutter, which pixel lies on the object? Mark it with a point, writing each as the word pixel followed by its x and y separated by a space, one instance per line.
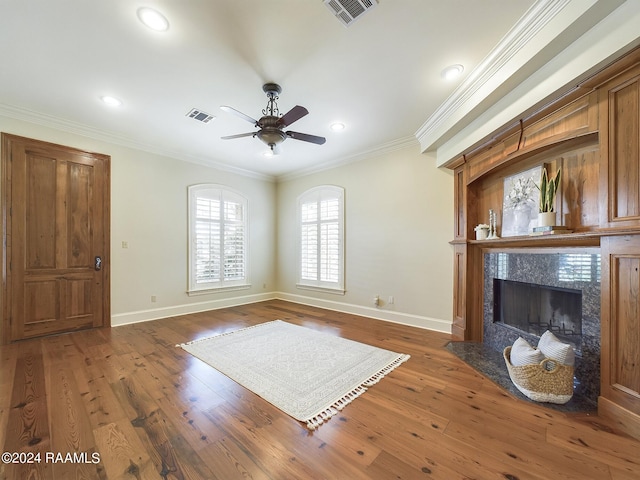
pixel 578 267
pixel 309 240
pixel 321 243
pixel 233 241
pixel 218 238
pixel 207 229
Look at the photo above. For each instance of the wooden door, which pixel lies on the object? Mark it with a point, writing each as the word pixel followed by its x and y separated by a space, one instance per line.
pixel 56 232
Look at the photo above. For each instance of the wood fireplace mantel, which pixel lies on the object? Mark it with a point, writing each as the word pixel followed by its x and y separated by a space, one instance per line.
pixel 593 135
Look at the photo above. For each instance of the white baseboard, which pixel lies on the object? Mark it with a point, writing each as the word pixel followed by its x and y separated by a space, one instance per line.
pixel 379 314
pixel 164 312
pixel 419 321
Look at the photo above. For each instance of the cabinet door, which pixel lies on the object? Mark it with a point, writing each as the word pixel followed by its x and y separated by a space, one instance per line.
pixel 620 150
pixel 467 292
pixel 621 322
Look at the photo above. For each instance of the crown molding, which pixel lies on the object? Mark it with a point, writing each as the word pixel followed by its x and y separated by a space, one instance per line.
pixel 508 49
pixel 19 113
pixel 50 121
pixel 383 149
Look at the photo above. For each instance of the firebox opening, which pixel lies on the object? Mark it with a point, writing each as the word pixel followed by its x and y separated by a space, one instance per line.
pixel 533 309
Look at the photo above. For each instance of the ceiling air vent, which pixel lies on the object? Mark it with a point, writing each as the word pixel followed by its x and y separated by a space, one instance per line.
pixel 200 115
pixel 348 11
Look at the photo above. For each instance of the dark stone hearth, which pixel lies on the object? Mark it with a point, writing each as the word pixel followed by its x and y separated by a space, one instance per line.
pixel 490 363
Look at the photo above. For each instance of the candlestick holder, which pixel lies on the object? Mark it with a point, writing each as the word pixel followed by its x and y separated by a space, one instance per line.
pixel 493 225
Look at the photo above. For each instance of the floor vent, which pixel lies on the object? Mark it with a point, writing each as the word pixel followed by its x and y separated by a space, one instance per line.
pixel 200 115
pixel 348 11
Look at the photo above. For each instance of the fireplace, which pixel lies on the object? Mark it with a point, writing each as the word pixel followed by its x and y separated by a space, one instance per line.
pixel 526 294
pixel 534 309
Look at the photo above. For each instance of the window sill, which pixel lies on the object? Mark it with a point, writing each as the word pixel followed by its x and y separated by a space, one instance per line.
pixel 229 288
pixel 316 288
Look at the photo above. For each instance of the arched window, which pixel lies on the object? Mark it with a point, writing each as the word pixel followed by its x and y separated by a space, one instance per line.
pixel 217 238
pixel 321 239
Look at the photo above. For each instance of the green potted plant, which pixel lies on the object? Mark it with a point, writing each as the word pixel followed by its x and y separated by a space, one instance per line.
pixel 548 190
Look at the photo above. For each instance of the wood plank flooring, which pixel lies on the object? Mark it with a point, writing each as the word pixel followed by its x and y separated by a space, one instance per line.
pixel 141 408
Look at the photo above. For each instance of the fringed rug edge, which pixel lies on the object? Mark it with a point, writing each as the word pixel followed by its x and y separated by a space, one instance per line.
pixel 325 414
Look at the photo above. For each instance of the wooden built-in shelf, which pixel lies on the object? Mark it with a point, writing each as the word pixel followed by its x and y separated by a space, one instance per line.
pixel 587 239
pixel 592 136
pixel 577 239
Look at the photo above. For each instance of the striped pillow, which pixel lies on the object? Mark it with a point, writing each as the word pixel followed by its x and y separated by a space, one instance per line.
pixel 556 350
pixel 524 354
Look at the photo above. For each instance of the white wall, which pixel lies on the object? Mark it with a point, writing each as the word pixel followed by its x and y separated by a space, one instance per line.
pixel 398 222
pixel 149 212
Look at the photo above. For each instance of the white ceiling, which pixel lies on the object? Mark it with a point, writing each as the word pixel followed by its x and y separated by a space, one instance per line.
pixel 380 76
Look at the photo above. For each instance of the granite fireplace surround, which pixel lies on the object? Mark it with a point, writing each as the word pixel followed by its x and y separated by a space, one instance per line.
pixel 575 269
pixel 570 269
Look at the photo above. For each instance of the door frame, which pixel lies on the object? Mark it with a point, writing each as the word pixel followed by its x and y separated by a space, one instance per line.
pixel 7 140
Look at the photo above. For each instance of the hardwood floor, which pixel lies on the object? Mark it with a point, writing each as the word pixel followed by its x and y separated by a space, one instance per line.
pixel 141 408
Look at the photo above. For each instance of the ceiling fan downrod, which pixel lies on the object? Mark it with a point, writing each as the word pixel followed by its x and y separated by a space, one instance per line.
pixel 272 90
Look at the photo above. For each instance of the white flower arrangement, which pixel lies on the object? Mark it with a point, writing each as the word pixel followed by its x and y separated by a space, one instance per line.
pixel 521 192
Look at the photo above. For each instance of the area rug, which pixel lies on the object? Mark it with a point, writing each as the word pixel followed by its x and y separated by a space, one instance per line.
pixel 308 374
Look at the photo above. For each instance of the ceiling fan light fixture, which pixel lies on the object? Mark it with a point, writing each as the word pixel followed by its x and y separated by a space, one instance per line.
pixel 153 19
pixel 337 126
pixel 452 72
pixel 271 136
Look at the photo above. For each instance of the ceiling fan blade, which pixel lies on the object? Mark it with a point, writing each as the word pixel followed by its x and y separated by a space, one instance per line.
pixel 237 113
pixel 293 115
pixel 239 135
pixel 305 137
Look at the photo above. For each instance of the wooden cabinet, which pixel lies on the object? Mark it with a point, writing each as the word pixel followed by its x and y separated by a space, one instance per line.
pixel 459 251
pixel 593 134
pixel 620 325
pixel 619 101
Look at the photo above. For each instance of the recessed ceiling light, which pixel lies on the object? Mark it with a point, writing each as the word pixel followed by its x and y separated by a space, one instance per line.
pixel 111 101
pixel 153 19
pixel 336 127
pixel 452 72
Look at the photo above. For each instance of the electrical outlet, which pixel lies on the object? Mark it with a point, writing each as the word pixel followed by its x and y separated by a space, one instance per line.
pixel 391 300
pixel 125 244
pixel 154 298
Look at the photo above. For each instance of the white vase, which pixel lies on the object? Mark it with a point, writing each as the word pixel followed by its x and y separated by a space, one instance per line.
pixel 521 220
pixel 546 219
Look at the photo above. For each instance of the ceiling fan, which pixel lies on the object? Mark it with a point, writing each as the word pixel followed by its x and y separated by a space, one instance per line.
pixel 271 124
